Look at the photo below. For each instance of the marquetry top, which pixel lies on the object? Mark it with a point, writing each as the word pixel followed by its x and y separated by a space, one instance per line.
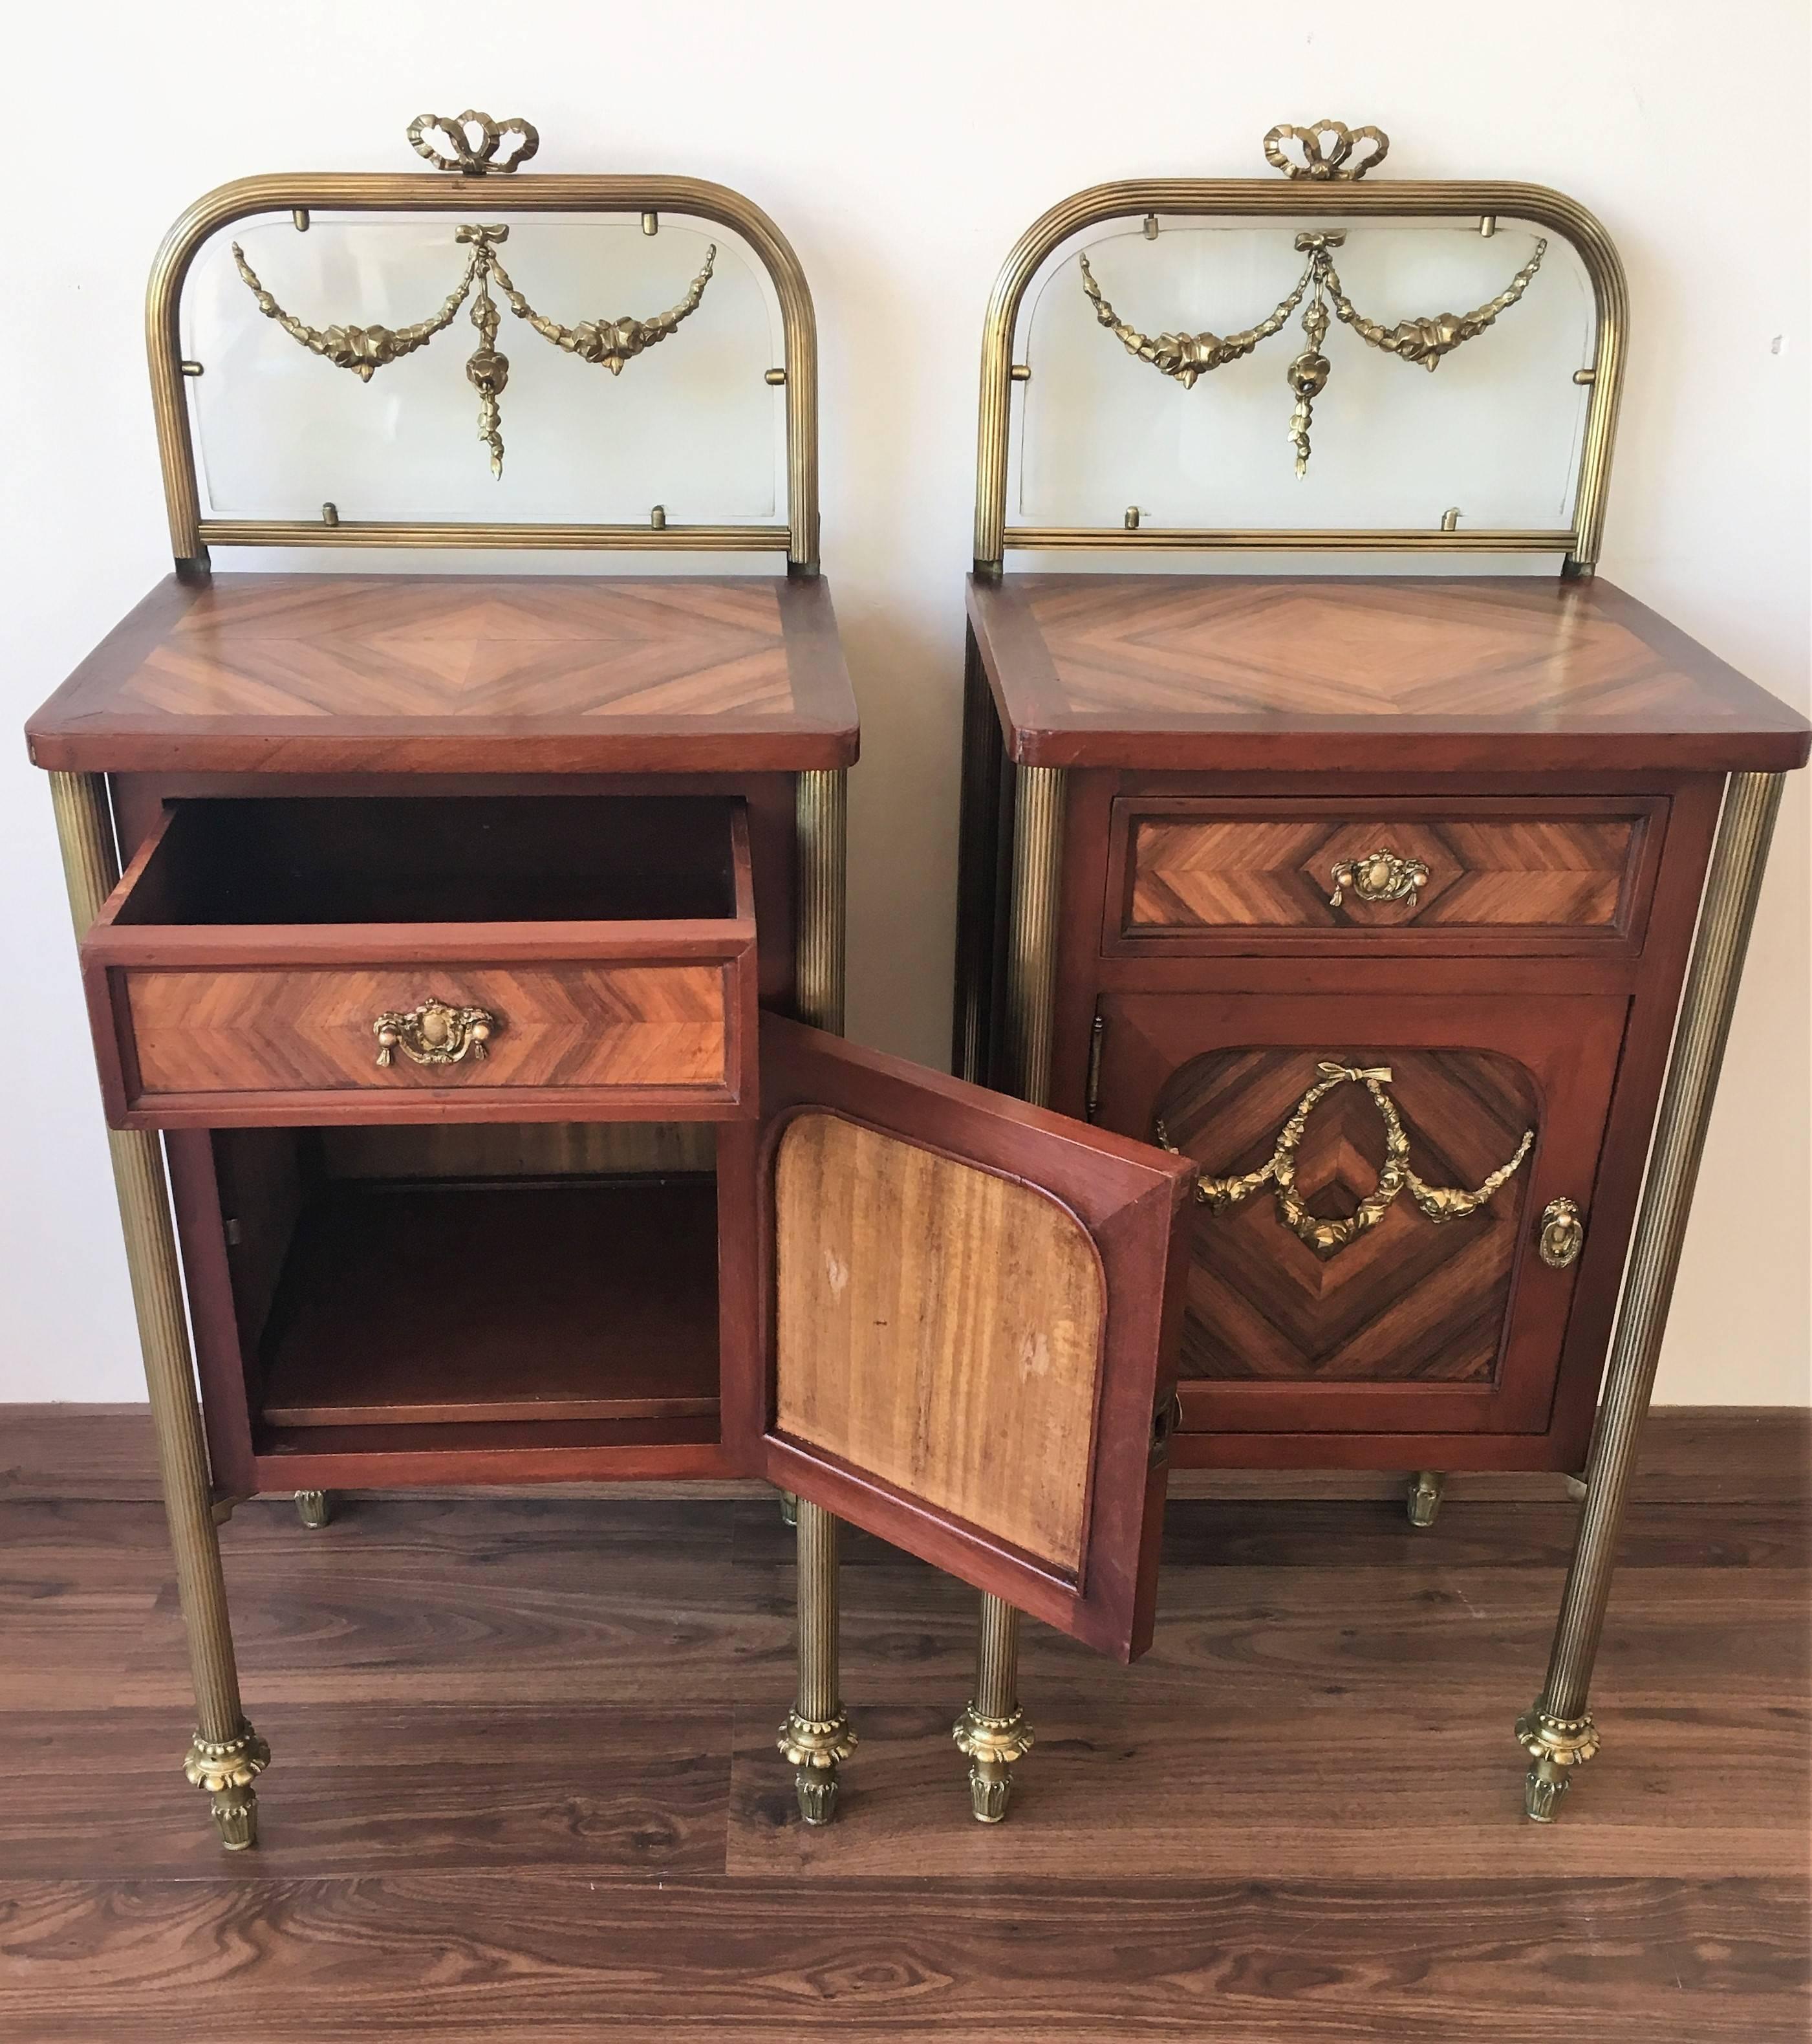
pixel 460 675
pixel 1225 673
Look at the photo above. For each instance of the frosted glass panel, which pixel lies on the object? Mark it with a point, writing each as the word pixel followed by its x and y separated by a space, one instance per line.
pixel 1496 429
pixel 690 424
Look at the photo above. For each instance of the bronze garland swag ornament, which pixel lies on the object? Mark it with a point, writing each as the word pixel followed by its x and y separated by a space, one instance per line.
pixel 366 350
pixel 1328 1237
pixel 1328 147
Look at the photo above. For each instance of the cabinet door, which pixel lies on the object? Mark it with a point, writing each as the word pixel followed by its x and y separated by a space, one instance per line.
pixel 965 1314
pixel 1337 1284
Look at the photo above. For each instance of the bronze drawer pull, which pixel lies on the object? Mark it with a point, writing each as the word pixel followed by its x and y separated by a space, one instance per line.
pixel 1563 1234
pixel 1378 876
pixel 1328 1237
pixel 435 1032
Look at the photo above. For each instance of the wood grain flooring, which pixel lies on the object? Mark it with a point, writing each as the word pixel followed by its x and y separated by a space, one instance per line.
pixel 524 1784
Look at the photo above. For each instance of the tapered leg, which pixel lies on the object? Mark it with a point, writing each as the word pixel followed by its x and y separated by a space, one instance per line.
pixel 993 1732
pixel 225 1756
pixel 1558 1733
pixel 313 1508
pixel 816 1737
pixel 1424 1502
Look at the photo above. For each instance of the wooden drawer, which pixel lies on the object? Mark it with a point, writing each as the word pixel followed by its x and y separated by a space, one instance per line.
pixel 463 959
pixel 1491 873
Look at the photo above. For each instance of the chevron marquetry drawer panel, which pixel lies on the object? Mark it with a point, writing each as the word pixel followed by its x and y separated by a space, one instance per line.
pixel 636 1031
pixel 1491 874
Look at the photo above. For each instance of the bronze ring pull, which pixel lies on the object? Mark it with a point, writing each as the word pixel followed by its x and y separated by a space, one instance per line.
pixel 1328 1237
pixel 1563 1234
pixel 1378 876
pixel 435 1032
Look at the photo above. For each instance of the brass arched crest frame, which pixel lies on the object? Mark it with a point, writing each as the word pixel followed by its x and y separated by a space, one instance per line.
pixel 470 194
pixel 1340 195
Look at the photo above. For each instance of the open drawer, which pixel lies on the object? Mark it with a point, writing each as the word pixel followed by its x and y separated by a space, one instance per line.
pixel 428 959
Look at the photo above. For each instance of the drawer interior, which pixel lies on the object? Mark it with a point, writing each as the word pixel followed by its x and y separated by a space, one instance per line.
pixel 454 1280
pixel 432 858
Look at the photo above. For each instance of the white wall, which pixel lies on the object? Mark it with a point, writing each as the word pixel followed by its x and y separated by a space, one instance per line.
pixel 903 152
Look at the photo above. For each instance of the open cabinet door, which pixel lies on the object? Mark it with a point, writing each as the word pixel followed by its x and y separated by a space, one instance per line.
pixel 965 1314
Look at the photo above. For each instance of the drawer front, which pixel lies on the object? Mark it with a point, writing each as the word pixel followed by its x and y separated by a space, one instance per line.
pixel 1494 874
pixel 227 1047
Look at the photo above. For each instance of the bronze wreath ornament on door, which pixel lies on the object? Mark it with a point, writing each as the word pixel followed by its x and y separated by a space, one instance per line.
pixel 1328 1237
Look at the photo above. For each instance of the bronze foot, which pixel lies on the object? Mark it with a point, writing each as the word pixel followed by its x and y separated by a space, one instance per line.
pixel 227 1768
pixel 990 1746
pixel 1425 1490
pixel 1555 1746
pixel 815 1748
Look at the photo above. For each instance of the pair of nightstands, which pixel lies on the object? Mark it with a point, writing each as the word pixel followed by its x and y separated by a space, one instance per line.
pixel 465 957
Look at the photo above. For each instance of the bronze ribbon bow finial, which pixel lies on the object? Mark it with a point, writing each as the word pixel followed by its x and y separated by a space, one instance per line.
pixel 473 158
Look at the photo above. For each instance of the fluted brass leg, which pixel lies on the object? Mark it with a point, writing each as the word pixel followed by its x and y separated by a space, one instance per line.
pixel 821 817
pixel 226 1755
pixel 788 1508
pixel 1425 1490
pixel 313 1508
pixel 816 1737
pixel 1557 1733
pixel 993 1732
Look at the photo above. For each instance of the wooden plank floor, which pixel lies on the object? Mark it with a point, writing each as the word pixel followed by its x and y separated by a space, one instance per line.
pixel 525 1784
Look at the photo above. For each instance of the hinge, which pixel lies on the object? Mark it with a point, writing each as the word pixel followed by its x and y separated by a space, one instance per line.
pixel 1164 1422
pixel 1095 1035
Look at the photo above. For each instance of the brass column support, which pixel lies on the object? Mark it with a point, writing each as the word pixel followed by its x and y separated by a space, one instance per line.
pixel 1031 935
pixel 978 874
pixel 992 1732
pixel 314 1509
pixel 820 814
pixel 225 1756
pixel 1557 1733
pixel 1424 1502
pixel 816 1738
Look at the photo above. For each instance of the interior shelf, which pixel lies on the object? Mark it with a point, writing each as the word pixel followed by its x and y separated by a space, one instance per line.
pixel 411 1302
